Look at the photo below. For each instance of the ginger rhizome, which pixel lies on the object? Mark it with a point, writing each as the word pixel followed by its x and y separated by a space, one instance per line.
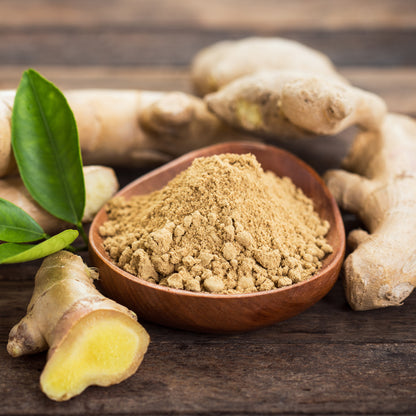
pixel 281 89
pixel 7 162
pixel 221 226
pixel 129 127
pixel 92 340
pixel 100 185
pixel 379 185
pixel 219 64
pixel 289 105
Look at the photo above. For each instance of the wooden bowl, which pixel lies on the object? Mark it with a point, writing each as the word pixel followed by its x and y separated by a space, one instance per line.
pixel 206 312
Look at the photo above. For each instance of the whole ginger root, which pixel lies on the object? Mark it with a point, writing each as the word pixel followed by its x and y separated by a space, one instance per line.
pixel 129 128
pixel 223 62
pixel 92 340
pixel 380 187
pixel 100 185
pixel 289 105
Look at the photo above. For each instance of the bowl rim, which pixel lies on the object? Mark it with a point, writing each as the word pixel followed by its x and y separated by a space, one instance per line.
pixel 335 258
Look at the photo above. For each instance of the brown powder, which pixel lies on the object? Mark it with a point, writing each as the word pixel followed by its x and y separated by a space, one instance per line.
pixel 221 226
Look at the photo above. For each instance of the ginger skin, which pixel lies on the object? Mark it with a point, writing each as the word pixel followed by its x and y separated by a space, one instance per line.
pixel 380 188
pixel 223 62
pixel 7 162
pixel 289 105
pixel 129 128
pixel 100 185
pixel 92 340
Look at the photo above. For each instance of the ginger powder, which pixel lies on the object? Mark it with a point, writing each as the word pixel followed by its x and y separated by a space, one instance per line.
pixel 221 226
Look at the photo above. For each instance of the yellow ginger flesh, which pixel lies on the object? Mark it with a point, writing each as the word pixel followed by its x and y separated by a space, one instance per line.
pixel 99 350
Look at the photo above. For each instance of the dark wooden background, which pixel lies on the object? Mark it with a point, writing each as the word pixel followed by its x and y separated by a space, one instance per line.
pixel 328 360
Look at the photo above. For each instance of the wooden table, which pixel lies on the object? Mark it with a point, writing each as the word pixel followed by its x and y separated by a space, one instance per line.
pixel 328 360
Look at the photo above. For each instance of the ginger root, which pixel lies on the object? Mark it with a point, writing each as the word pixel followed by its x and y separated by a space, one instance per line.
pixel 92 340
pixel 219 64
pixel 380 188
pixel 7 162
pixel 288 105
pixel 100 185
pixel 129 127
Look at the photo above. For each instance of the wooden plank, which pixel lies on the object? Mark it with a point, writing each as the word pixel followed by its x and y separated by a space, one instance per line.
pixel 118 77
pixel 327 360
pixel 396 85
pixel 230 378
pixel 151 47
pixel 215 14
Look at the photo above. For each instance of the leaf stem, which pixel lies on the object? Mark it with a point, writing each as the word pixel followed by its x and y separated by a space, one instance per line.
pixel 84 236
pixel 71 248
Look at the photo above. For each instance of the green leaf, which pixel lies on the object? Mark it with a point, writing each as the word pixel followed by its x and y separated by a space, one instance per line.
pixel 16 226
pixel 18 253
pixel 46 148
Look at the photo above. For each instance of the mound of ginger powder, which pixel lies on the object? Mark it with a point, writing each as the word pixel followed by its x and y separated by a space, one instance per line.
pixel 222 226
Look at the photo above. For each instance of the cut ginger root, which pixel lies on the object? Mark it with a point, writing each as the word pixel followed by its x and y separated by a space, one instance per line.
pixel 102 349
pixel 290 105
pixel 100 185
pixel 92 340
pixel 379 185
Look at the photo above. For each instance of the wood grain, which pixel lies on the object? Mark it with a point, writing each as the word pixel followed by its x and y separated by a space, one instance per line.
pixel 349 364
pixel 137 46
pixel 215 14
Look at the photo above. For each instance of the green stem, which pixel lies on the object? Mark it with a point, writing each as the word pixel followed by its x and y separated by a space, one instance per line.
pixel 82 233
pixel 71 248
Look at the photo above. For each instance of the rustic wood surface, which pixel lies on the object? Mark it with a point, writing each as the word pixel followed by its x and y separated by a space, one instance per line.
pixel 328 360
